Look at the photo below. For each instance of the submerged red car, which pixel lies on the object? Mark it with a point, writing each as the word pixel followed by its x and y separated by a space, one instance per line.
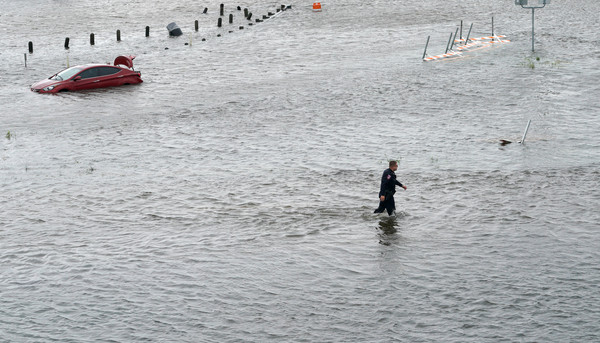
pixel 91 76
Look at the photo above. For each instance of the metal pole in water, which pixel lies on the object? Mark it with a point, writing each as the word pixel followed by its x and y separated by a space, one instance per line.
pixel 525 133
pixel 492 27
pixel 25 55
pixel 523 4
pixel 455 33
pixel 426 44
pixel 461 29
pixel 469 34
pixel 448 44
pixel 532 28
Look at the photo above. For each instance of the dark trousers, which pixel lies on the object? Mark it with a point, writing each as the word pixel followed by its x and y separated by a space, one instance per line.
pixel 388 204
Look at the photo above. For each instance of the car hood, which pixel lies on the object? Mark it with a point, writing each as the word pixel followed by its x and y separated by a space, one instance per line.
pixel 44 83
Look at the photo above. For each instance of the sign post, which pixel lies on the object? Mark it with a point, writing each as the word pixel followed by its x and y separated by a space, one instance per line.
pixel 524 3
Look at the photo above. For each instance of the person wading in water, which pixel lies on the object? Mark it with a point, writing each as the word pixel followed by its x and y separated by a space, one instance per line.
pixel 388 188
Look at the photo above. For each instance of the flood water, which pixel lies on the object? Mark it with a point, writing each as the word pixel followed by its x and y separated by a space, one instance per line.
pixel 229 197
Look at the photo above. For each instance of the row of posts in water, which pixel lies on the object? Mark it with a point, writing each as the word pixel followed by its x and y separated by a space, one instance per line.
pixel 247 15
pixel 451 40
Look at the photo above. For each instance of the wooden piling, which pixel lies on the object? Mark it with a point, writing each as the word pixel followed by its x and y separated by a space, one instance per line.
pixel 222 9
pixel 230 18
pixel 245 13
pixel 118 35
pixel 249 16
pixel 147 31
pixel 205 10
pixel 92 39
pixel 196 25
pixel 30 46
pixel 219 22
pixel 67 43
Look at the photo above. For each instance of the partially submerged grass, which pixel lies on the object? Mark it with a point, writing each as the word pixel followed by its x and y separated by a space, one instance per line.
pixel 532 62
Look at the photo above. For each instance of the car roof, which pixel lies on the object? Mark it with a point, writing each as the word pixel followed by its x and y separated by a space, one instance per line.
pixel 89 65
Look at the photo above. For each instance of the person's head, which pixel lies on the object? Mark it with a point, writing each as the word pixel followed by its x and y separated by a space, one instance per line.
pixel 393 165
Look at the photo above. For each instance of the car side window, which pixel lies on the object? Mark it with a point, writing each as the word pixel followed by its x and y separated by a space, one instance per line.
pixel 103 71
pixel 88 73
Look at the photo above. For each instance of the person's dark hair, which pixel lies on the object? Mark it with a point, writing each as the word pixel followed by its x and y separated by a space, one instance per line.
pixel 393 163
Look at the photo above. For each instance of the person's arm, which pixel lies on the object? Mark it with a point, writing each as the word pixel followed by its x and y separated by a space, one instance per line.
pixel 383 188
pixel 401 185
pixel 382 191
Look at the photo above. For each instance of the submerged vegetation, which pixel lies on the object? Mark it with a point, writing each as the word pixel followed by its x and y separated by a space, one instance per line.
pixel 532 62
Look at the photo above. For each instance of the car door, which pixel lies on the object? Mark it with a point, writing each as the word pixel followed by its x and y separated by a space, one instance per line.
pixel 109 76
pixel 87 79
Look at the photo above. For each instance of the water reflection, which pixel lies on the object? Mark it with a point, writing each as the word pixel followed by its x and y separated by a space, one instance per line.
pixel 387 230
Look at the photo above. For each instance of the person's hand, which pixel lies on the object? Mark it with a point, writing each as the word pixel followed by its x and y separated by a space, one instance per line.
pixel 404 187
pixel 382 198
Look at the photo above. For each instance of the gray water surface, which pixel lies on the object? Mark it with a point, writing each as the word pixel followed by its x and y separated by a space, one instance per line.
pixel 229 197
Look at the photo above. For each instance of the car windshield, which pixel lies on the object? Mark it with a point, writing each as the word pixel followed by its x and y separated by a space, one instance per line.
pixel 66 74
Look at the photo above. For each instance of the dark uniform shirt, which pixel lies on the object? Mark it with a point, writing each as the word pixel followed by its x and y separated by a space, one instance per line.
pixel 388 183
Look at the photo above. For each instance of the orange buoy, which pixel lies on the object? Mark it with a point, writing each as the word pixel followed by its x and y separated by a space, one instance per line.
pixel 316 6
